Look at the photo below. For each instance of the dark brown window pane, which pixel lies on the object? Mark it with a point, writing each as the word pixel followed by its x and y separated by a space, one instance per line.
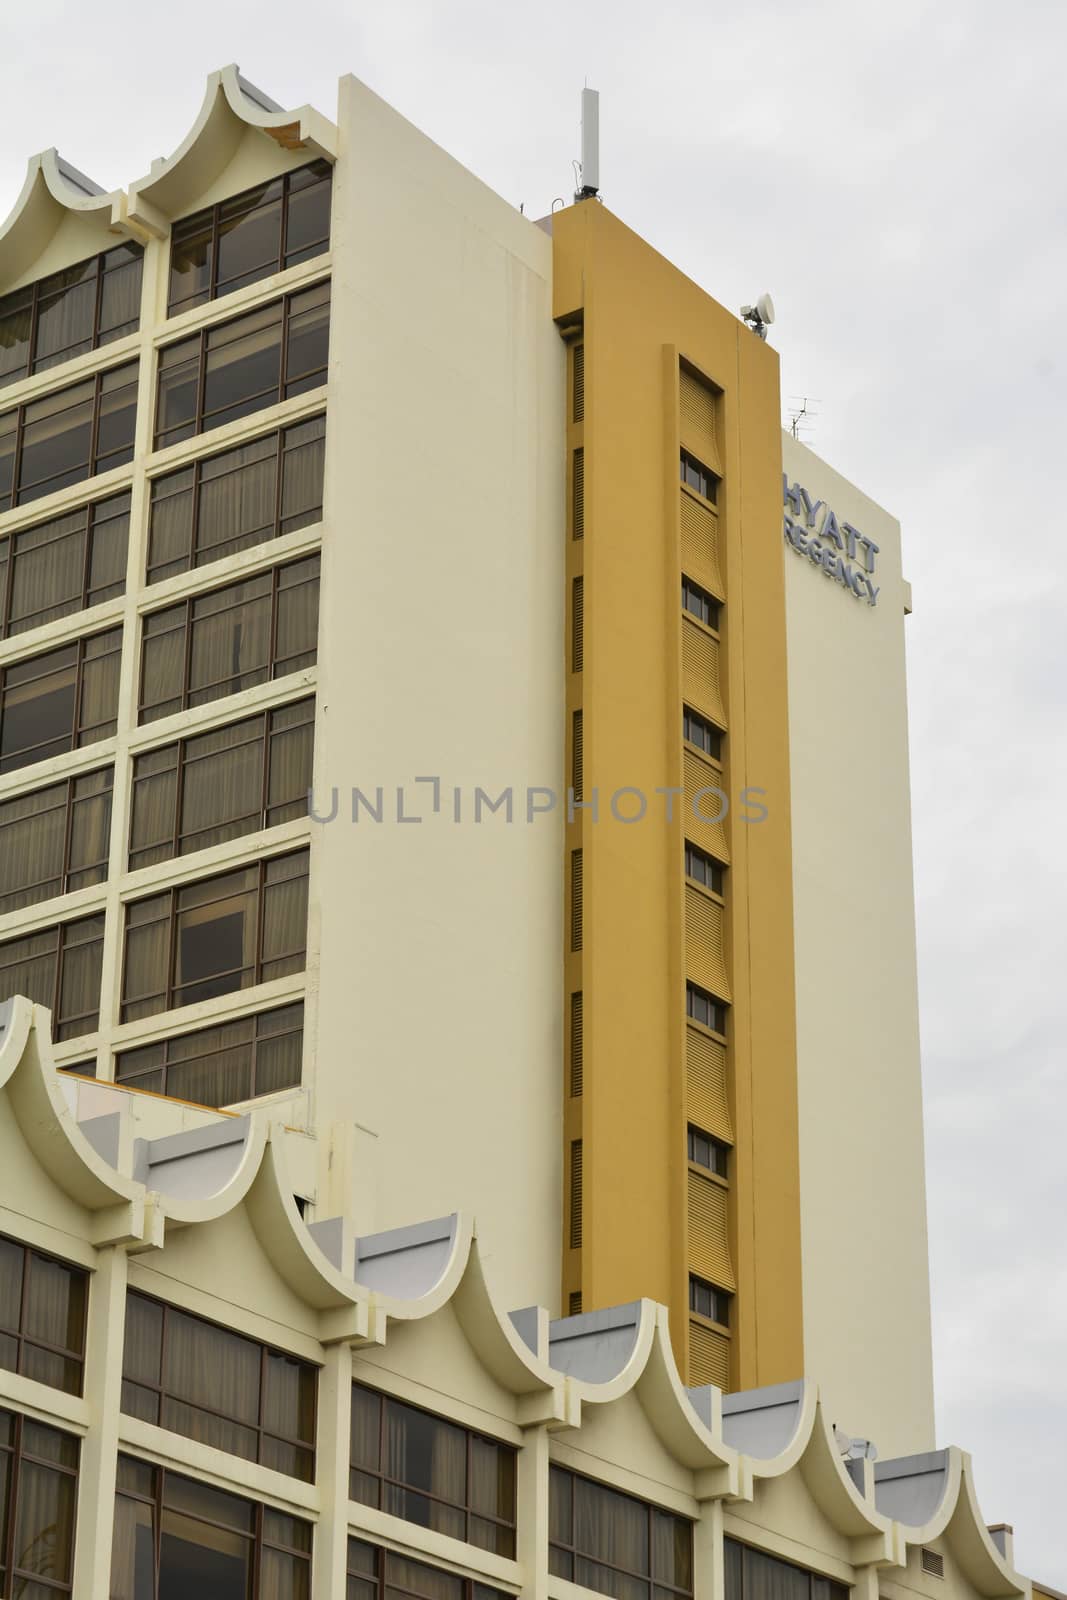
pixel 241 635
pixel 236 368
pixel 61 566
pixel 212 937
pixel 68 435
pixel 221 1065
pixel 58 967
pixel 42 1316
pixel 250 236
pixel 38 1492
pixel 225 503
pixel 221 785
pixel 427 1470
pixel 615 1543
pixel 86 305
pixel 54 840
pixel 220 1387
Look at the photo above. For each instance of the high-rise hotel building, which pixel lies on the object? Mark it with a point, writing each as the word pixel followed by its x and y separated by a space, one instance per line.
pixel 443 776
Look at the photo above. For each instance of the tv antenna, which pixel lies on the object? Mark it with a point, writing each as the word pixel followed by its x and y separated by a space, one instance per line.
pixel 760 316
pixel 802 416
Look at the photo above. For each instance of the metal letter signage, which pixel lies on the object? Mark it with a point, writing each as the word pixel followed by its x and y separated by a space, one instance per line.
pixel 841 550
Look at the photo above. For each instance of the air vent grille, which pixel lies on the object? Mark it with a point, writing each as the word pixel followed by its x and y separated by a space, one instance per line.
pixel 933 1563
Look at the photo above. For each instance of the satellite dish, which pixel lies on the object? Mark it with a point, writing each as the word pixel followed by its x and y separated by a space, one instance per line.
pixel 842 1441
pixel 760 316
pixel 863 1450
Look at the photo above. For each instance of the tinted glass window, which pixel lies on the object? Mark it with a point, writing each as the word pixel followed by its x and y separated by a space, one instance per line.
pixel 84 306
pixel 68 436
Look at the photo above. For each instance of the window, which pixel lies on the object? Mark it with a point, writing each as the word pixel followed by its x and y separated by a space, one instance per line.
pixel 219 1066
pixel 248 237
pixel 67 436
pixel 59 701
pixel 614 1543
pixel 696 476
pixel 79 309
pixel 58 968
pixel 699 731
pixel 752 1575
pixel 432 1472
pixel 216 936
pixel 218 1387
pixel 64 565
pixel 219 643
pixel 704 1151
pixel 38 1501
pixel 700 604
pixel 704 1008
pixel 42 1316
pixel 702 868
pixel 220 785
pixel 54 840
pixel 176 1536
pixel 375 1574
pixel 708 1301
pixel 238 367
pixel 224 503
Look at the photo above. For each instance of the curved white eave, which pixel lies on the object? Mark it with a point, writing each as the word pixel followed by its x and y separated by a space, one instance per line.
pixel 50 1128
pixel 176 182
pixel 52 189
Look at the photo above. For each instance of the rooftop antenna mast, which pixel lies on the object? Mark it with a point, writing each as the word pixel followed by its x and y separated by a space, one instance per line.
pixel 802 416
pixel 589 167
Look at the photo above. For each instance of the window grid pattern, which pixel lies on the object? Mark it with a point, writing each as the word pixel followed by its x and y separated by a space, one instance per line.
pixel 702 868
pixel 755 1575
pixel 377 1574
pixel 61 700
pixel 242 497
pixel 696 476
pixel 702 1007
pixel 196 1378
pixel 57 568
pixel 705 1151
pixel 43 1305
pixel 700 604
pixel 708 1301
pixel 221 785
pixel 54 841
pixel 215 935
pixel 249 236
pixel 221 1065
pixel 229 639
pixel 179 1536
pixel 236 368
pixel 38 1498
pixel 81 308
pixel 698 731
pixel 615 1543
pixel 431 1471
pixel 59 968
pixel 67 436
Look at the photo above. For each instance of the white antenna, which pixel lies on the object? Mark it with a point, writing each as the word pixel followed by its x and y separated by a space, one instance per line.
pixel 802 416
pixel 590 165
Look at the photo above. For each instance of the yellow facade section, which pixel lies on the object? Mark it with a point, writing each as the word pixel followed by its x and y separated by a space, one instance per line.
pixel 662 367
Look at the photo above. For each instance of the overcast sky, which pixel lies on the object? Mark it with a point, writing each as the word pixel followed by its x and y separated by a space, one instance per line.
pixel 895 176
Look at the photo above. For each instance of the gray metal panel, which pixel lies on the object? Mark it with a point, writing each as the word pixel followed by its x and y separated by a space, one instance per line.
pixel 329 1236
pixel 525 1324
pixel 103 1133
pixel 406 1263
pixel 596 1345
pixel 700 1400
pixel 761 1422
pixel 910 1488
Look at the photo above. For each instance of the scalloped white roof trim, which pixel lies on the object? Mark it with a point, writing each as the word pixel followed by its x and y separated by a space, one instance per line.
pixel 689 1423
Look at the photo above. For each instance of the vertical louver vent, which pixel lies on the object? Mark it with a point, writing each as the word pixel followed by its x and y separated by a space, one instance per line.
pixel 576 899
pixel 576 1044
pixel 578 492
pixel 576 754
pixel 577 624
pixel 576 1194
pixel 574 1304
pixel 578 407
pixel 933 1563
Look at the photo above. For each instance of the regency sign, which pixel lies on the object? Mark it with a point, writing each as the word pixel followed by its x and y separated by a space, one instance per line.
pixel 842 551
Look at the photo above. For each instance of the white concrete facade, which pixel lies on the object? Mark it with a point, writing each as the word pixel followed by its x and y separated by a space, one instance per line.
pixel 862 1174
